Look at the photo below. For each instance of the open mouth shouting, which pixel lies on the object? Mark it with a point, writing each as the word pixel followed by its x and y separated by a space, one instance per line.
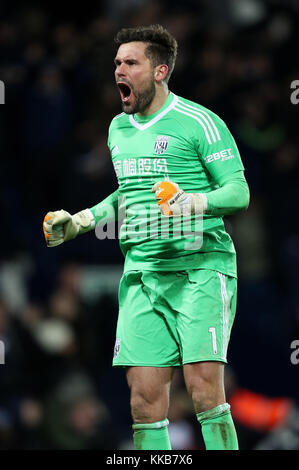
pixel 125 91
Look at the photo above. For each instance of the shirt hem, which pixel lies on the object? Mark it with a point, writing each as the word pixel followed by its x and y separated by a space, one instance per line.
pixel 223 266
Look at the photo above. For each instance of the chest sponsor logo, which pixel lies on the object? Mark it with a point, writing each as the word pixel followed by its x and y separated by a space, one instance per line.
pixel 161 144
pixel 140 167
pixel 223 155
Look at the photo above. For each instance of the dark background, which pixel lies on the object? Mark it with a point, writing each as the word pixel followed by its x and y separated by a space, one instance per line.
pixel 58 307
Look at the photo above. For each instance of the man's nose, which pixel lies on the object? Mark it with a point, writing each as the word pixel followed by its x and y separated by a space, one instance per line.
pixel 120 70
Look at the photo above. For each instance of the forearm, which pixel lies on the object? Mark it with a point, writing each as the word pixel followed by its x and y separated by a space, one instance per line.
pixel 232 196
pixel 107 210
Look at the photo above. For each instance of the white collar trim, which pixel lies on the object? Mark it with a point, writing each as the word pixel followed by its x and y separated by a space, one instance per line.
pixel 142 127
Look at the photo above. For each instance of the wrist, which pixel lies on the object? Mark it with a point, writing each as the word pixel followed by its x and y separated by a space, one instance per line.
pixel 199 203
pixel 84 220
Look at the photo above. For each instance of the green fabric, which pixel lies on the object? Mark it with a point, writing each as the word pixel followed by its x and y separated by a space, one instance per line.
pixel 232 195
pixel 174 318
pixel 190 145
pixel 218 428
pixel 151 436
pixel 106 210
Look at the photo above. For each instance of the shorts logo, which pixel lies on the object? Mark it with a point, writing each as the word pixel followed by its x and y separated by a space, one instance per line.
pixel 116 348
pixel 161 144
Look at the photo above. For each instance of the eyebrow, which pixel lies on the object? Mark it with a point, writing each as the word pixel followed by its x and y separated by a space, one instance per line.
pixel 128 59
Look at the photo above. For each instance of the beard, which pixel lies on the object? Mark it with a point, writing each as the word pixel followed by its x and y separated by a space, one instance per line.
pixel 143 99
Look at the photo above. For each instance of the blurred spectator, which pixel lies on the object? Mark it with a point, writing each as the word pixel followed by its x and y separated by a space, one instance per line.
pixel 262 422
pixel 47 113
pixel 285 436
pixel 75 417
pixel 47 122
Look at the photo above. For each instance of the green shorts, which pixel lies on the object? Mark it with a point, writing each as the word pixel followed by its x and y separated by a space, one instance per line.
pixel 174 318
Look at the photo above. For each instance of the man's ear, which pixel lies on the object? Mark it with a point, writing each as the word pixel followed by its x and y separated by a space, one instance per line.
pixel 161 72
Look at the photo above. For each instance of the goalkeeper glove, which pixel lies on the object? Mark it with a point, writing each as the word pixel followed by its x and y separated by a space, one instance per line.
pixel 60 226
pixel 173 201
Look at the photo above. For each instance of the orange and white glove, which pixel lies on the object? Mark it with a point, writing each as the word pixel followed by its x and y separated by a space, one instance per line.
pixel 60 226
pixel 173 201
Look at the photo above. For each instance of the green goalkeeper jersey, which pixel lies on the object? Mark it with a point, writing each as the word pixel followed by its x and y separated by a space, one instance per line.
pixel 187 144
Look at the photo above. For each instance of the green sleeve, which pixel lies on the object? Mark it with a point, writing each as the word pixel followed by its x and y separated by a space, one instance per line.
pixel 221 158
pixel 220 154
pixel 107 210
pixel 232 196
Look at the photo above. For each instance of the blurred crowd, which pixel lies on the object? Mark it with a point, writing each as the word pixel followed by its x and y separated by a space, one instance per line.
pixel 236 57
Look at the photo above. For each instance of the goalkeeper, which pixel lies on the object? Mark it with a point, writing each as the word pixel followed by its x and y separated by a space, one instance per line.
pixel 177 166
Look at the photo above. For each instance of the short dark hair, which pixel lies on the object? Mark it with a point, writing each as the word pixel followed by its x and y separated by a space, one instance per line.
pixel 162 46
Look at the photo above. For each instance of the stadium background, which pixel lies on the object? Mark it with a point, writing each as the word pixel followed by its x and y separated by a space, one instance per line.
pixel 58 307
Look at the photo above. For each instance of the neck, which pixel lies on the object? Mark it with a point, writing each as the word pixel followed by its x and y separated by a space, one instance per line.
pixel 160 97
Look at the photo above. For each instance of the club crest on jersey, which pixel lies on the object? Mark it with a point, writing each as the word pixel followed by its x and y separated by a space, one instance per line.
pixel 161 144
